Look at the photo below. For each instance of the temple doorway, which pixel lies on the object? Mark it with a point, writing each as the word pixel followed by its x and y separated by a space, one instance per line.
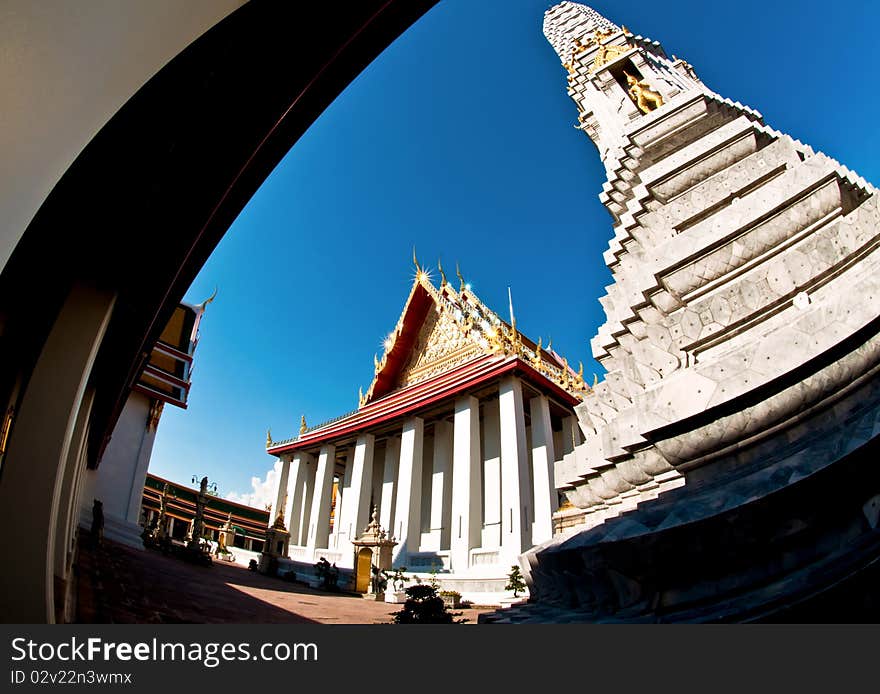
pixel 362 571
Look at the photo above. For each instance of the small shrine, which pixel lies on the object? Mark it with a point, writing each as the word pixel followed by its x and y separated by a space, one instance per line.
pixel 372 550
pixel 277 542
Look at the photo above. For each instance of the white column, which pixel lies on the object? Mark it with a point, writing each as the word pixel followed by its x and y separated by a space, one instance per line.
pixel 570 434
pixel 68 507
pixel 408 516
pixel 280 489
pixel 344 500
pixel 139 477
pixel 514 470
pixel 466 492
pixel 543 457
pixel 358 514
pixel 491 476
pixel 319 523
pixel 378 479
pixel 389 476
pixel 38 451
pixel 299 472
pixel 441 484
pixel 305 510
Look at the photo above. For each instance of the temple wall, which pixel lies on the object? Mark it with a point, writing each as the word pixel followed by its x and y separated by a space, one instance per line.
pixel 119 480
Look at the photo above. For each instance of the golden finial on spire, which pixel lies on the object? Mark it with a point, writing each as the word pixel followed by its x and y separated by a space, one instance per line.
pixel 360 396
pixel 460 278
pixel 416 261
pixel 550 345
pixel 375 362
pixel 268 437
pixel 442 274
pixel 581 370
pixel 302 425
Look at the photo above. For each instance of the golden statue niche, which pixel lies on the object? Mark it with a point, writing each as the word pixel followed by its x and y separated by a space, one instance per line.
pixel 642 94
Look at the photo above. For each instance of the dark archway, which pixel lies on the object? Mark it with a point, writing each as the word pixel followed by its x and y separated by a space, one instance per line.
pixel 124 232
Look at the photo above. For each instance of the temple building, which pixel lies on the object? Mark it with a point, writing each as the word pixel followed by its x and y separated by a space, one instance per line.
pixel 118 482
pixel 453 443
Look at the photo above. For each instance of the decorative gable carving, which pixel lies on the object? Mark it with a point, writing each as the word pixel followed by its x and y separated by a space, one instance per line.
pixel 456 328
pixel 442 344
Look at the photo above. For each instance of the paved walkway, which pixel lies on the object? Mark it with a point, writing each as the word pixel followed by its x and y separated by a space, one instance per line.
pixel 117 584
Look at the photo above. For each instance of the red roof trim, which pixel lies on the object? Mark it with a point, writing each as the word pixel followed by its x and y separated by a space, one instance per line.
pixel 414 315
pixel 421 395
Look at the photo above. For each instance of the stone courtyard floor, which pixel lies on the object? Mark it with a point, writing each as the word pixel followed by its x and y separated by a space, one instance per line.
pixel 118 584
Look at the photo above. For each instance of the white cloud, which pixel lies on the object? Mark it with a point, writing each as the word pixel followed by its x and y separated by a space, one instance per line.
pixel 263 491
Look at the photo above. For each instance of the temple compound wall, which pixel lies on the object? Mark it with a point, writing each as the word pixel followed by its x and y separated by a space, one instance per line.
pixel 454 444
pixel 741 347
pixel 245 525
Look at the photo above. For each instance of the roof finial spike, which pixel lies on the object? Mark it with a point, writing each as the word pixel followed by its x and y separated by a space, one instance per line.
pixel 302 425
pixel 442 274
pixel 416 261
pixel 550 344
pixel 460 278
pixel 268 437
pixel 360 396
pixel 209 299
pixel 581 370
pixel 512 317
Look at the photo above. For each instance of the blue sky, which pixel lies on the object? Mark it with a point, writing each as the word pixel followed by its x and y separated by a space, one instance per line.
pixel 458 140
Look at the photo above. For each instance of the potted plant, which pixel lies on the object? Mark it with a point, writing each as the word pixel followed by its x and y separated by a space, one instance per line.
pixel 451 598
pixel 424 606
pixel 515 581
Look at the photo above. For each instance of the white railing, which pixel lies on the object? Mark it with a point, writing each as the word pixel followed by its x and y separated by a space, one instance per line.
pixel 330 555
pixel 482 557
pixel 426 561
pixel 298 552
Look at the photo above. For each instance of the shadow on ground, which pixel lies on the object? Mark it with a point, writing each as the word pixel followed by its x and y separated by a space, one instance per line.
pixel 120 585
